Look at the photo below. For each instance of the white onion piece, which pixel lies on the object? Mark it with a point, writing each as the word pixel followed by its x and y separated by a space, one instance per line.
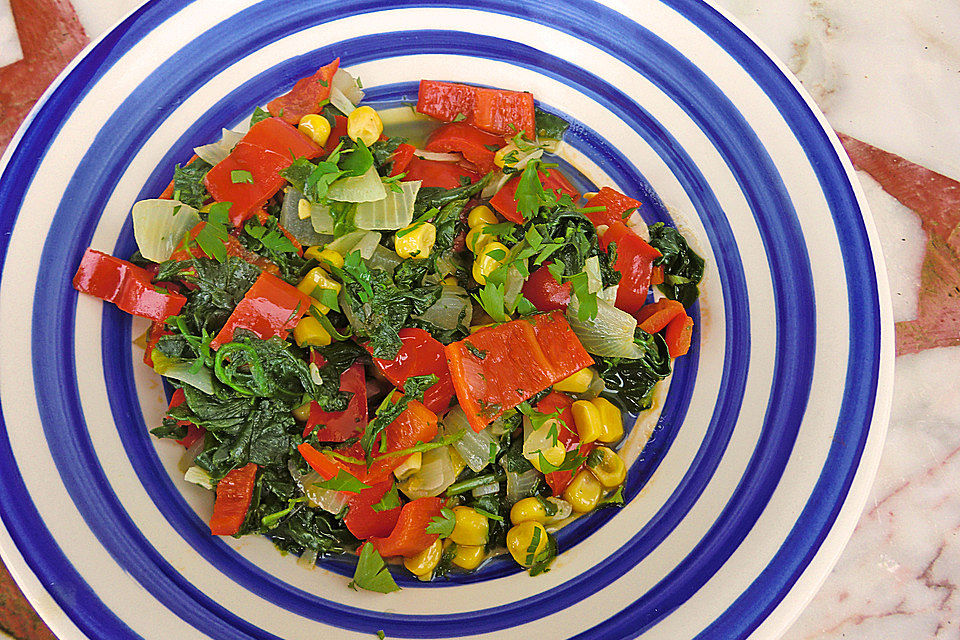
pixel 160 225
pixel 564 509
pixel 320 219
pixel 609 334
pixel 486 490
pixel 524 159
pixel 186 460
pixel 495 185
pixel 365 188
pixel 512 285
pixel 384 259
pixel 367 244
pixel 196 475
pixel 180 370
pixel 327 499
pixel 609 294
pixel 308 559
pixel 216 152
pixel 521 485
pixel 341 101
pixel 303 230
pixel 345 243
pixel 346 83
pixel 439 157
pixel 594 279
pixel 394 211
pixel 436 473
pixel 478 449
pixel 452 309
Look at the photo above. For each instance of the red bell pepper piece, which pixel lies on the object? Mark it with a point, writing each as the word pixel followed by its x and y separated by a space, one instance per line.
pixel 634 262
pixel 410 536
pixel 362 521
pixel 615 203
pixel 566 435
pixel 234 493
pixel 339 130
pixel 191 249
pixel 322 464
pixel 471 142
pixel 544 292
pixel 156 331
pixel 337 426
pixel 194 432
pixel 497 111
pixel 656 275
pixel 270 308
pixel 126 285
pixel 433 173
pixel 497 368
pixel 420 355
pixel 505 200
pixel 656 315
pixel 273 134
pixel 306 95
pixel 677 335
pixel 401 158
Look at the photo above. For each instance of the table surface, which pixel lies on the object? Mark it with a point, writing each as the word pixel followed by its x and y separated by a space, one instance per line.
pixel 887 74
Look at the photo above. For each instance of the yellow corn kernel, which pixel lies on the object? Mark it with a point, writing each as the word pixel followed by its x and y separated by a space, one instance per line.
pixel 584 492
pixel 469 556
pixel 526 541
pixel 499 158
pixel 586 416
pixel 318 278
pixel 608 467
pixel 312 253
pixel 415 241
pixel 528 509
pixel 477 238
pixel 611 420
pixel 577 382
pixel 409 466
pixel 310 333
pixel 331 257
pixel 365 124
pixel 302 412
pixel 485 264
pixel 303 209
pixel 481 214
pixel 423 564
pixel 554 454
pixel 471 528
pixel 315 127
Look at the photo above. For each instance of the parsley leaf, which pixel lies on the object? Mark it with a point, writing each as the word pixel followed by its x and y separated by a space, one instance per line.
pixel 214 233
pixel 390 500
pixel 372 573
pixel 443 524
pixel 344 481
pixel 239 176
pixel 416 386
pixel 258 115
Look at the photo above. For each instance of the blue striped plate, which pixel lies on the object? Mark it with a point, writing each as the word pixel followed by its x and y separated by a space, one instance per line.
pixel 766 442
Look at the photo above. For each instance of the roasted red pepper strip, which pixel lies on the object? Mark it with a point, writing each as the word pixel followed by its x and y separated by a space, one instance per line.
pixel 306 95
pixel 566 435
pixel 126 285
pixel 656 315
pixel 234 493
pixel 420 355
pixel 433 173
pixel 270 308
pixel 544 292
pixel 505 200
pixel 361 519
pixel 615 203
pixel 337 426
pixel 410 536
pixel 498 111
pixel 191 249
pixel 156 331
pixel 322 464
pixel 497 368
pixel 634 262
pixel 401 158
pixel 677 335
pixel 469 141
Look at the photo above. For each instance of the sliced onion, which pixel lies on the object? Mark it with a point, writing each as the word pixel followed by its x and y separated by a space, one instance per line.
pixel 341 101
pixel 180 370
pixel 393 211
pixel 216 152
pixel 609 334
pixel 512 285
pixel 564 509
pixel 160 225
pixel 495 185
pixel 320 219
pixel 474 447
pixel 436 473
pixel 327 499
pixel 308 559
pixel 452 309
pixel 347 84
pixel 196 475
pixel 486 490
pixel 594 279
pixel 365 188
pixel 190 455
pixel 636 224
pixel 367 244
pixel 345 243
pixel 303 230
pixel 437 156
pixel 609 294
pixel 384 259
pixel 521 485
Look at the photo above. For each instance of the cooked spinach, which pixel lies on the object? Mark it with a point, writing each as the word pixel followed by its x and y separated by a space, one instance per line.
pixel 549 125
pixel 630 383
pixel 682 267
pixel 188 185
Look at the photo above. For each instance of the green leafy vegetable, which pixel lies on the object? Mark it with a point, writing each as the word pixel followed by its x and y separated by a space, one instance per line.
pixel 258 115
pixel 188 185
pixel 343 481
pixel 239 176
pixel 549 125
pixel 630 383
pixel 682 267
pixel 443 524
pixel 390 500
pixel 372 573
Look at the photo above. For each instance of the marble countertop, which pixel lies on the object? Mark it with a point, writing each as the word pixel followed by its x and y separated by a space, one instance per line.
pixel 886 74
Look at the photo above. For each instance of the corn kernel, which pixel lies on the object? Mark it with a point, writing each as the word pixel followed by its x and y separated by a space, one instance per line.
pixel 607 466
pixel 586 416
pixel 415 241
pixel 330 257
pixel 528 509
pixel 365 124
pixel 477 238
pixel 302 412
pixel 485 264
pixel 303 209
pixel 543 442
pixel 317 278
pixel 469 556
pixel 611 420
pixel 312 253
pixel 481 214
pixel 584 492
pixel 471 528
pixel 500 157
pixel 310 333
pixel 577 382
pixel 409 466
pixel 423 564
pixel 315 127
pixel 526 541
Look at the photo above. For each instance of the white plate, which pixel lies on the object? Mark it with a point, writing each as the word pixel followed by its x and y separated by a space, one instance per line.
pixel 769 436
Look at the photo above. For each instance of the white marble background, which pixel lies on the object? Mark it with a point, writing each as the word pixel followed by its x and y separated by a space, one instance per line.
pixel 886 72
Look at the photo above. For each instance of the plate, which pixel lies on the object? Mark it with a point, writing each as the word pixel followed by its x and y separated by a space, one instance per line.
pixel 767 441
